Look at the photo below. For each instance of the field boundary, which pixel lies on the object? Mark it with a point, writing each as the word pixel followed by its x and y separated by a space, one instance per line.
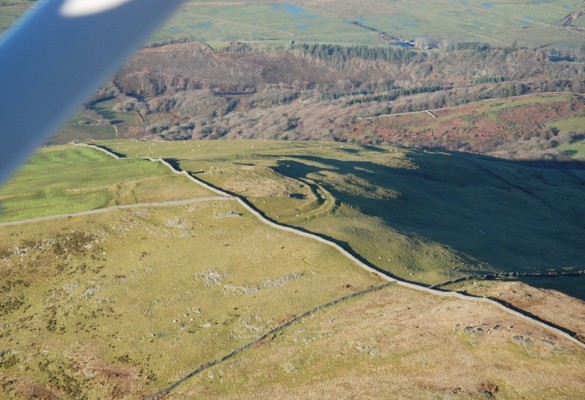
pixel 105 151
pixel 265 336
pixel 524 316
pixel 505 275
pixel 547 326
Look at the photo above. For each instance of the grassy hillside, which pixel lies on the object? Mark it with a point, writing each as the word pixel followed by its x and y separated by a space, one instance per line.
pixel 394 345
pixel 60 180
pixel 124 304
pixel 420 215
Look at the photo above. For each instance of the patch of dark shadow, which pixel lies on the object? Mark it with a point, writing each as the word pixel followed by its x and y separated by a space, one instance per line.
pixel 570 153
pixel 504 215
pixel 174 162
pixel 573 286
pixel 245 164
pixel 292 196
pixel 292 168
pixel 377 149
pixel 563 58
pixel 555 164
pixel 350 151
pixel 110 150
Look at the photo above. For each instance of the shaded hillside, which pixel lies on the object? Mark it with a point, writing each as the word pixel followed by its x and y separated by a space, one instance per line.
pixel 423 216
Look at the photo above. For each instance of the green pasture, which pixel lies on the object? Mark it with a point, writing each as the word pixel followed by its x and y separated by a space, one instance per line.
pixel 73 131
pixel 499 23
pixel 105 109
pixel 61 180
pixel 419 215
pixel 257 21
pixel 574 124
pixel 574 150
pixel 79 118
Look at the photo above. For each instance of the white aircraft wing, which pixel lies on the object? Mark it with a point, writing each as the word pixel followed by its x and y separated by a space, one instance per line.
pixel 56 57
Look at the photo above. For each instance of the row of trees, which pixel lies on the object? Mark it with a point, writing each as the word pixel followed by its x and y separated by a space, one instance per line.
pixel 338 53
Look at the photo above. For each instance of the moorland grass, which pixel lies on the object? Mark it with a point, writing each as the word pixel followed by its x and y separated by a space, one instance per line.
pixel 398 344
pixel 59 180
pixel 127 303
pixel 420 215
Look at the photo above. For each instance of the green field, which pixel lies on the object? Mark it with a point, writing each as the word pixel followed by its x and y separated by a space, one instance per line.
pixel 258 21
pixel 61 180
pixel 575 124
pixel 105 109
pixel 419 215
pixel 574 150
pixel 499 23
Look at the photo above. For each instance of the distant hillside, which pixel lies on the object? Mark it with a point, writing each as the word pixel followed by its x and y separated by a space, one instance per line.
pixel 344 93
